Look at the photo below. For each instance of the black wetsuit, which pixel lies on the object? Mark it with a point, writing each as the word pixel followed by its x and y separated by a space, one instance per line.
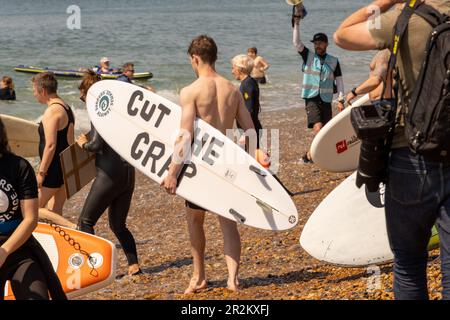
pixel 7 94
pixel 250 91
pixel 28 269
pixel 54 177
pixel 113 188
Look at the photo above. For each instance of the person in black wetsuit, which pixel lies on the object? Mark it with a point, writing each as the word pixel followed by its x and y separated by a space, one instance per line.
pixel 7 89
pixel 242 66
pixel 56 132
pixel 23 261
pixel 112 189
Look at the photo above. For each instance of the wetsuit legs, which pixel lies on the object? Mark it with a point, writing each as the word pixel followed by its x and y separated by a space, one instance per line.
pixel 27 281
pixel 118 213
pixel 102 191
pixel 115 195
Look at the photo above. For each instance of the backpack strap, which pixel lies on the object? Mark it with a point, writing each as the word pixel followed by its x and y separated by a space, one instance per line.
pixel 399 31
pixel 431 15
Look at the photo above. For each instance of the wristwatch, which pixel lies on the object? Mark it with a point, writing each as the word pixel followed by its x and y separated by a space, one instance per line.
pixel 354 92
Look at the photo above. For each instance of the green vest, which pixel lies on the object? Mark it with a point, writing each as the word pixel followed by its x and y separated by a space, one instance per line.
pixel 319 79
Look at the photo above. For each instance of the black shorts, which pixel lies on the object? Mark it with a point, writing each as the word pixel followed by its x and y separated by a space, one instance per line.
pixel 318 111
pixel 190 205
pixel 54 178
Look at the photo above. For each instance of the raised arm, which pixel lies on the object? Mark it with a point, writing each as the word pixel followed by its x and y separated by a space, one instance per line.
pixel 296 39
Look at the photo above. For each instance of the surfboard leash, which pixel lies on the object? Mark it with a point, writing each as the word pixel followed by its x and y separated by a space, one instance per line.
pixel 75 245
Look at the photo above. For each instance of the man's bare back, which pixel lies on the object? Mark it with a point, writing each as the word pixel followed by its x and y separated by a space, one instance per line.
pixel 217 101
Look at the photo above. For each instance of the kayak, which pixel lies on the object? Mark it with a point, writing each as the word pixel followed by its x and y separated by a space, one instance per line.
pixel 78 73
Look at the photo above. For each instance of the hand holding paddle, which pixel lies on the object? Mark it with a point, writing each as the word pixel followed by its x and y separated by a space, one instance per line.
pixel 82 140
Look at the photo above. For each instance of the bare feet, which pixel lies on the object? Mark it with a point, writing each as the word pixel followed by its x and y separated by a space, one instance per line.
pixel 195 286
pixel 233 285
pixel 134 270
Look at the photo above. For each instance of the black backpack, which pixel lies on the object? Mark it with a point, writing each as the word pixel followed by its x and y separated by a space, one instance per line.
pixel 427 118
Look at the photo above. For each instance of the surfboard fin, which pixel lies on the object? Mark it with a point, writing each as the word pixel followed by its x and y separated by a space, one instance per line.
pixel 258 171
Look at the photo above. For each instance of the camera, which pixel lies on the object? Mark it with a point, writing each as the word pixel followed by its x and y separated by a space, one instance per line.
pixel 374 126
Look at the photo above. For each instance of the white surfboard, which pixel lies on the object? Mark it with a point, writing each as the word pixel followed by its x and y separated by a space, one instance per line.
pixel 222 178
pixel 349 228
pixel 336 147
pixel 23 136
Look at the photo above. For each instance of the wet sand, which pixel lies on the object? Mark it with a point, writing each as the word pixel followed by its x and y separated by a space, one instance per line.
pixel 273 264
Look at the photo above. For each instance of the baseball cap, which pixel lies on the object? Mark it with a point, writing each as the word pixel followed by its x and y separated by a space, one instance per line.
pixel 104 59
pixel 320 37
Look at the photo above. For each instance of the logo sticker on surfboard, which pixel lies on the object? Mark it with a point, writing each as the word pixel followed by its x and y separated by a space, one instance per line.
pixel 104 103
pixel 344 145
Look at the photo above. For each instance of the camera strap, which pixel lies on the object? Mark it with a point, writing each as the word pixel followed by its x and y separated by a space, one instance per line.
pixel 399 31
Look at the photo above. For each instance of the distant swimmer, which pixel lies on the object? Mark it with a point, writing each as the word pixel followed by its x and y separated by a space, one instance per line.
pixel 104 67
pixel 23 262
pixel 242 66
pixel 218 102
pixel 260 66
pixel 374 84
pixel 7 89
pixel 112 189
pixel 321 72
pixel 56 132
pixel 128 73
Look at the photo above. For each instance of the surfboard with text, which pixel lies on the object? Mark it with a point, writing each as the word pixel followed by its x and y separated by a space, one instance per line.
pixel 222 178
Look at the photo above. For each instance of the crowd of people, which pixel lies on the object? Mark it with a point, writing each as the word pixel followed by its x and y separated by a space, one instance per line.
pixel 417 189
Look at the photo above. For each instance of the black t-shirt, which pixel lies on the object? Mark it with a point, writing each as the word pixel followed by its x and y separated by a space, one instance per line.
pixel 304 54
pixel 7 94
pixel 250 91
pixel 17 182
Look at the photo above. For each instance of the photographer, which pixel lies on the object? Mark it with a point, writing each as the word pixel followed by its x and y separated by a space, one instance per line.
pixel 418 188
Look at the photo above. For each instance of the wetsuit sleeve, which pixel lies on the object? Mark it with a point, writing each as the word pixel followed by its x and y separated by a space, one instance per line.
pixel 249 93
pixel 28 188
pixel 95 143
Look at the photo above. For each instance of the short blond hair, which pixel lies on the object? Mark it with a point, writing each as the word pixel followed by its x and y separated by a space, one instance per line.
pixel 244 63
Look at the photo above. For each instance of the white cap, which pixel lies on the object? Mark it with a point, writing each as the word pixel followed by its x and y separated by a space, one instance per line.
pixel 104 59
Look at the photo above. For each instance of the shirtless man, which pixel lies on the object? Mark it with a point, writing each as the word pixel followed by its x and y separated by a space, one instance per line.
pixel 260 66
pixel 374 84
pixel 218 102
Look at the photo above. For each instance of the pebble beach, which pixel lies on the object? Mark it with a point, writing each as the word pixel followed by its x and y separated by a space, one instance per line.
pixel 273 264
